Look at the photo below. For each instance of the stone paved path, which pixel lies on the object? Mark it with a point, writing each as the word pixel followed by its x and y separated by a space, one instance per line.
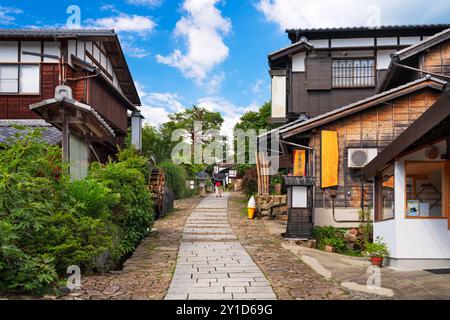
pixel 212 264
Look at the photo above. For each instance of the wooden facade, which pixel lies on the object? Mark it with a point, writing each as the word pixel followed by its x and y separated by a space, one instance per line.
pixel 376 127
pixel 361 123
pixel 90 62
pixel 15 106
pixel 308 64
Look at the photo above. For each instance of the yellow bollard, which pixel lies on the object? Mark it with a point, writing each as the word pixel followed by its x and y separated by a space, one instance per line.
pixel 251 208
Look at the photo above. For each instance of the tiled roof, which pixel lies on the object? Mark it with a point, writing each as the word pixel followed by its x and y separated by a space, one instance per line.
pixel 57 32
pixel 361 28
pixel 8 130
pixel 386 94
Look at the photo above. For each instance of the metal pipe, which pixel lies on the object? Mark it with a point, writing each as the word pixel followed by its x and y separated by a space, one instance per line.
pixel 420 70
pixel 334 214
pixel 296 145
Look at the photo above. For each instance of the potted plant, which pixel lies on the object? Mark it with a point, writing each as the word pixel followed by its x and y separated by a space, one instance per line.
pixel 276 182
pixel 376 251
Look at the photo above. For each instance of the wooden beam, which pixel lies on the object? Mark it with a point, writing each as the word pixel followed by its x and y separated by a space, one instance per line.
pixel 98 65
pixel 448 148
pixel 65 135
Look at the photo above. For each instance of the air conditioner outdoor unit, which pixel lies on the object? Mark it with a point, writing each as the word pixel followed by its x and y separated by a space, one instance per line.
pixel 358 158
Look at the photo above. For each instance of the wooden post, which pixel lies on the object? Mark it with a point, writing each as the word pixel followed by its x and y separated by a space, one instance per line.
pixel 258 173
pixel 65 134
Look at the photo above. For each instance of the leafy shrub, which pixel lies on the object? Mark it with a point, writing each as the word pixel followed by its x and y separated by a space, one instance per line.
pixel 94 198
pixel 133 213
pixel 330 236
pixel 48 223
pixel 176 179
pixel 133 160
pixel 376 249
pixel 42 231
pixel 250 182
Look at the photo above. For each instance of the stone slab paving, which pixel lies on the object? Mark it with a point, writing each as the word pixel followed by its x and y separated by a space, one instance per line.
pixel 212 264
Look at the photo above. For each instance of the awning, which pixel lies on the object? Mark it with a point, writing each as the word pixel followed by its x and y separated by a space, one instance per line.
pixel 84 122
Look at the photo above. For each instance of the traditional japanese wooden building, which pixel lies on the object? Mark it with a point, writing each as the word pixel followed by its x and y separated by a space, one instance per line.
pixel 78 81
pixel 345 95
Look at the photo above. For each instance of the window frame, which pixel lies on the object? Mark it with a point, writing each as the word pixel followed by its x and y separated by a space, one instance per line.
pixel 353 86
pixel 444 187
pixel 378 203
pixel 19 65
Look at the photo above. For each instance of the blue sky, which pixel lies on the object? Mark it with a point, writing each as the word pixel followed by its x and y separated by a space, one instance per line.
pixel 211 52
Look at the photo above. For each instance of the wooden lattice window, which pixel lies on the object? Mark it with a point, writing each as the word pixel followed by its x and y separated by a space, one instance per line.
pixel 351 73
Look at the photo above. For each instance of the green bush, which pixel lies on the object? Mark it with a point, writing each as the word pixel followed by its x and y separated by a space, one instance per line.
pixel 48 223
pixel 330 236
pixel 176 177
pixel 95 199
pixel 377 248
pixel 133 213
pixel 43 231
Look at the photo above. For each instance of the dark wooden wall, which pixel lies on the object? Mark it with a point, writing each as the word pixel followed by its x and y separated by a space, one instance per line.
pixel 375 128
pixel 312 90
pixel 107 104
pixel 15 106
pixel 93 92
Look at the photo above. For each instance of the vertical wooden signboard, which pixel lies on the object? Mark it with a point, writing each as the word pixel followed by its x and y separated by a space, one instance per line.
pixel 329 159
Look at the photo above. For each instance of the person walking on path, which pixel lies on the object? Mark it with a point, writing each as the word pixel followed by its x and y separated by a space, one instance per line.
pixel 218 186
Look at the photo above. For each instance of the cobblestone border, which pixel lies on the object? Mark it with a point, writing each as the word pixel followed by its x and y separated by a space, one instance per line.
pixel 147 274
pixel 290 278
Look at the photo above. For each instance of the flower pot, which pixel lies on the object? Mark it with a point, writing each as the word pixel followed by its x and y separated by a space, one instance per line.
pixel 277 188
pixel 329 249
pixel 376 261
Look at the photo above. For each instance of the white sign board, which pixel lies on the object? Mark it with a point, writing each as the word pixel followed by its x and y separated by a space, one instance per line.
pixel 299 197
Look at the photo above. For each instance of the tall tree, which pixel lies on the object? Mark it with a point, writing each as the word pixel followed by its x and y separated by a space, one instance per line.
pixel 256 120
pixel 186 120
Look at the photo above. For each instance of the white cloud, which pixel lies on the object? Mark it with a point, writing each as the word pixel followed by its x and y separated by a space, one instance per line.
pixel 146 3
pixel 128 42
pixel 154 115
pixel 214 83
pixel 202 29
pixel 7 15
pixel 332 13
pixel 230 112
pixel 257 87
pixel 168 100
pixel 123 22
pixel 156 106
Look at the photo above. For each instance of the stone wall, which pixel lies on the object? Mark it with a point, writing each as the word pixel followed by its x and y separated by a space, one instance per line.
pixel 273 206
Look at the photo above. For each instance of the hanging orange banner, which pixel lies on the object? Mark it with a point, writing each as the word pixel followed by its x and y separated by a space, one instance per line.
pixel 299 163
pixel 329 159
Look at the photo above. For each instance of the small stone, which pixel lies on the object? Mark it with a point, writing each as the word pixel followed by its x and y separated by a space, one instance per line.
pixel 111 290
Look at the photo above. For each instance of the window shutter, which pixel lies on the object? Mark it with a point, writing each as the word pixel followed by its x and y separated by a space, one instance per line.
pixel 318 73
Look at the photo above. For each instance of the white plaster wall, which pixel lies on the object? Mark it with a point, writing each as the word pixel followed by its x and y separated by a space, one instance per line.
pixel 387 41
pixel 384 58
pixel 352 42
pixel 409 40
pixel 298 62
pixel 413 238
pixel 324 217
pixel 388 231
pixel 323 43
pixel 278 96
